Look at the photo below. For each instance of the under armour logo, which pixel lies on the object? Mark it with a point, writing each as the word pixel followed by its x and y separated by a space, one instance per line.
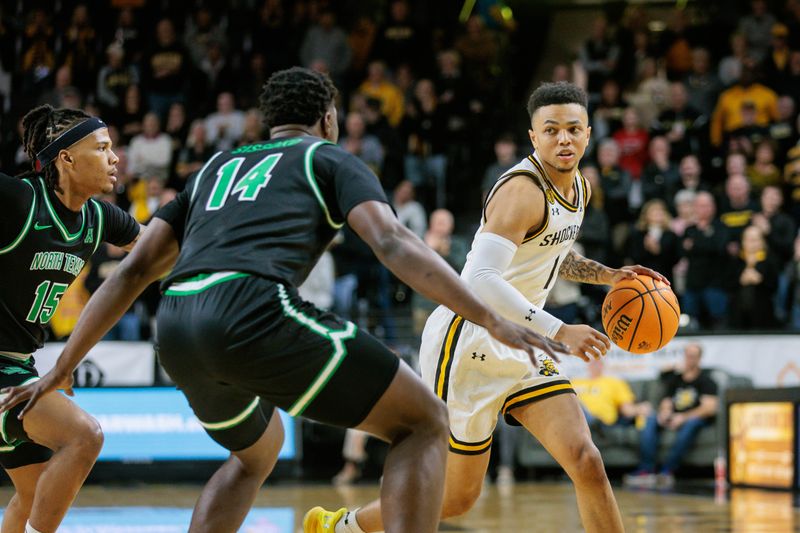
pixel 531 312
pixel 476 355
pixel 556 211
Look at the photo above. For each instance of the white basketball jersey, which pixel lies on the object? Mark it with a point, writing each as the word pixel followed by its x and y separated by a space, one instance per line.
pixel 534 269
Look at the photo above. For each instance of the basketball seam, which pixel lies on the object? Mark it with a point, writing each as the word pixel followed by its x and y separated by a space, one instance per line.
pixel 677 314
pixel 621 307
pixel 638 321
pixel 658 312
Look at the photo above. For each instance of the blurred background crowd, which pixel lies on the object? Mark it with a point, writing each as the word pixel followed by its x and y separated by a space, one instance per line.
pixel 694 160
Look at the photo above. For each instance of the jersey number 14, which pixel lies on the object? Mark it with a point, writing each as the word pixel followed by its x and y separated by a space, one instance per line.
pixel 247 188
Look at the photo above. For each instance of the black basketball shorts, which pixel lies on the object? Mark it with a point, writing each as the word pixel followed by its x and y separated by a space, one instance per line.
pixel 238 345
pixel 16 449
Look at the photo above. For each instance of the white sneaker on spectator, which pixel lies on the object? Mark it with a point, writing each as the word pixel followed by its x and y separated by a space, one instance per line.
pixel 644 480
pixel 505 475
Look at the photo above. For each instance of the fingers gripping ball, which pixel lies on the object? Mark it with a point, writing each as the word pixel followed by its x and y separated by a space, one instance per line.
pixel 640 315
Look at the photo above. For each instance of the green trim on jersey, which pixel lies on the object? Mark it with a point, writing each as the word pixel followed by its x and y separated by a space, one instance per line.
pixel 3 420
pixel 60 225
pixel 337 338
pixel 200 174
pixel 312 180
pixel 27 226
pixel 201 282
pixel 99 237
pixel 235 421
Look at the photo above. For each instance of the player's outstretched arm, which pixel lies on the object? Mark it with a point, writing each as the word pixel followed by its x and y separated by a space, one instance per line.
pixel 153 256
pixel 425 271
pixel 578 268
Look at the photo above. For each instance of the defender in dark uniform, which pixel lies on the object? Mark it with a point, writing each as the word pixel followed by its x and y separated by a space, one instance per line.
pixel 49 229
pixel 238 341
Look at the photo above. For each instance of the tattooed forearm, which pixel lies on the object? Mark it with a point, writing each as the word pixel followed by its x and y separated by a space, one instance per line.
pixel 578 268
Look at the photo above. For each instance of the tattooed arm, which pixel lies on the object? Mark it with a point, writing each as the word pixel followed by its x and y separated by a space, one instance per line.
pixel 577 268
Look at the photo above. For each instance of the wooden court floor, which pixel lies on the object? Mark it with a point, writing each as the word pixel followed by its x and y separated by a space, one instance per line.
pixel 524 507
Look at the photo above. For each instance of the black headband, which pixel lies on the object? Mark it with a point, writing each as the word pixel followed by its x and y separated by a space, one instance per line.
pixel 67 139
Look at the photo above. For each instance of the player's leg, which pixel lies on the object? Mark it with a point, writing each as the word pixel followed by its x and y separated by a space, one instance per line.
pixel 19 507
pixel 76 439
pixel 558 423
pixel 462 487
pixel 414 422
pixel 229 494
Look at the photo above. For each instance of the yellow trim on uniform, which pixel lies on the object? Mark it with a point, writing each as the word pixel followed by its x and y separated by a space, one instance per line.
pixel 545 222
pixel 556 194
pixel 585 189
pixel 449 348
pixel 470 447
pixel 546 390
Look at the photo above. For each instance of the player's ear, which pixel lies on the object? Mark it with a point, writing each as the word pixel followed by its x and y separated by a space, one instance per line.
pixel 532 135
pixel 65 157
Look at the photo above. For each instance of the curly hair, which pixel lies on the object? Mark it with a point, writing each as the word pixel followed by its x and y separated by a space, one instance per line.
pixel 296 96
pixel 39 127
pixel 561 92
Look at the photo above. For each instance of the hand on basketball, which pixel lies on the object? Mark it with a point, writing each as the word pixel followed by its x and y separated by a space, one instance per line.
pixel 630 272
pixel 584 342
pixel 523 338
pixel 33 391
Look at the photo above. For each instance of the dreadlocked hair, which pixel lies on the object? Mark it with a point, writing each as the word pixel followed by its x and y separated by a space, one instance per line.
pixel 39 127
pixel 296 96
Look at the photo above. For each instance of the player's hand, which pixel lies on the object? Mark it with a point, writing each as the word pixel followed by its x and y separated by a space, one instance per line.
pixel 523 338
pixel 584 342
pixel 33 391
pixel 631 272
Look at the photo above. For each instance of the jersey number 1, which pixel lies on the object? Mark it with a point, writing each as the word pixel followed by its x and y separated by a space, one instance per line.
pixel 247 188
pixel 46 301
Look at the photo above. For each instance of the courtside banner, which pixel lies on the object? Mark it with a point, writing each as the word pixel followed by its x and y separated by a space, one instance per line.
pixel 769 360
pixel 108 364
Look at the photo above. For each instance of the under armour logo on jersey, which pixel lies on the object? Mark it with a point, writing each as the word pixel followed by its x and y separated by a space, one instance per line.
pixel 476 355
pixel 531 312
pixel 89 237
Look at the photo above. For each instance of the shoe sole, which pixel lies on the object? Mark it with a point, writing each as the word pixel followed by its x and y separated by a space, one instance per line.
pixel 311 520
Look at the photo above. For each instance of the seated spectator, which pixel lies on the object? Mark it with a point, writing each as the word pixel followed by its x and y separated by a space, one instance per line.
pixel 783 132
pixel 409 212
pixel 361 144
pixel 479 50
pixel 689 403
pixel 398 40
pixel 736 208
pixel 598 56
pixel 226 125
pixel 150 151
pixel 778 228
pixel 201 31
pixel 728 114
pixel 253 128
pixel 377 85
pixel 681 124
pixel 661 177
pixel 114 79
pixel 632 140
pixel 452 248
pixel 764 172
pixel 702 83
pixel 607 113
pixel 129 118
pixel 166 70
pixel 505 153
pixel 197 151
pixel 776 61
pixel 704 242
pixel 426 128
pixel 652 243
pixel 690 172
pixel 791 179
pixel 757 28
pixel 607 400
pixel 748 134
pixel 327 42
pixel 753 279
pixel 684 207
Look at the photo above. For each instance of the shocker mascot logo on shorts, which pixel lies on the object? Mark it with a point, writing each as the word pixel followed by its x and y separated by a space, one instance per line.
pixel 548 368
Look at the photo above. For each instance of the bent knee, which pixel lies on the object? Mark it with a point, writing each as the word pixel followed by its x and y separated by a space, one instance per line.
pixel 88 435
pixel 586 464
pixel 457 503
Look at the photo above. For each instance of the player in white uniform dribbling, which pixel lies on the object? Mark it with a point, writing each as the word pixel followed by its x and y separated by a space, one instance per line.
pixel 531 218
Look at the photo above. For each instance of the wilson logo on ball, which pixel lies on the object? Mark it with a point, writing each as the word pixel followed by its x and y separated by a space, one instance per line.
pixel 622 325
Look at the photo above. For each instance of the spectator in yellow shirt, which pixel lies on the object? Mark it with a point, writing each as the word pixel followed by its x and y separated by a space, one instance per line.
pixel 607 400
pixel 727 115
pixel 378 86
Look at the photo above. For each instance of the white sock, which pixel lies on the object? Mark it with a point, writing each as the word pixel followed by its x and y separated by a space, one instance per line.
pixel 348 523
pixel 30 529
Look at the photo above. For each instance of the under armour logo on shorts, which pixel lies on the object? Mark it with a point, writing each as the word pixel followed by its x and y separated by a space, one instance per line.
pixel 482 356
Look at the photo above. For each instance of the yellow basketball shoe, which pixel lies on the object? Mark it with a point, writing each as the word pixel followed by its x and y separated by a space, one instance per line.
pixel 318 520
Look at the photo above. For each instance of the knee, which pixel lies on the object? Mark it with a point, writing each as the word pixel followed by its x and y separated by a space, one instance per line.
pixel 429 420
pixel 586 466
pixel 88 438
pixel 21 503
pixel 460 501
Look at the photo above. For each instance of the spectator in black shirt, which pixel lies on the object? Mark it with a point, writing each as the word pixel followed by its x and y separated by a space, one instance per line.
pixel 398 40
pixel 680 124
pixel 689 402
pixel 652 243
pixel 660 178
pixel 754 279
pixel 165 70
pixel 778 227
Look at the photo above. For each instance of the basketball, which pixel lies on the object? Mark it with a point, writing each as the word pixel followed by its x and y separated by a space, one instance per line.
pixel 640 315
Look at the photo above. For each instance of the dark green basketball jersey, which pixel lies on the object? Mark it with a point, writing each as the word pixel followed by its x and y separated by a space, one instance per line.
pixel 268 209
pixel 43 247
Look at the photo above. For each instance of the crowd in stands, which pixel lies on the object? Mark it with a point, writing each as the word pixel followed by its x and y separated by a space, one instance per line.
pixel 694 160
